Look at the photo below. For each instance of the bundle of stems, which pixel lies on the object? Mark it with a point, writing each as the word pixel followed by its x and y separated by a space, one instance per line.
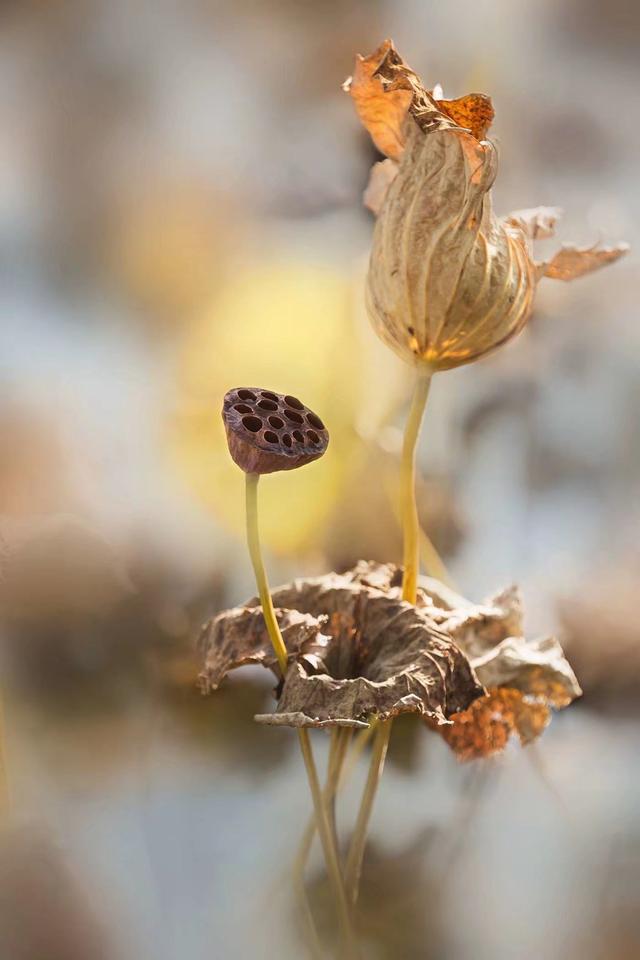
pixel 344 877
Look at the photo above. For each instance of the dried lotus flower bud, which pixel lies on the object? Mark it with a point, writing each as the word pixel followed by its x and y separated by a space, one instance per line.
pixel 448 281
pixel 268 431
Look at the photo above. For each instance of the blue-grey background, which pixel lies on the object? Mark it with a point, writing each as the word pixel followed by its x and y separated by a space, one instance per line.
pixel 180 213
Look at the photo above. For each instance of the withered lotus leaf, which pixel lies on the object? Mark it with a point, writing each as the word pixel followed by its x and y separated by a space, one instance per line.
pixel 358 651
pixel 382 656
pixel 448 280
pixel 386 657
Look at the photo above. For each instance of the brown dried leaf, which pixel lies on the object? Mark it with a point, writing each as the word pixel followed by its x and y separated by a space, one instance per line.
pixel 386 657
pixel 448 281
pixel 239 637
pixel 479 628
pixel 571 262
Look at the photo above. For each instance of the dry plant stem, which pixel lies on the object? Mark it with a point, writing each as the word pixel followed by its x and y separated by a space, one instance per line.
pixel 411 563
pixel 328 846
pixel 359 743
pixel 410 522
pixel 358 843
pixel 322 819
pixel 339 744
pixel 336 777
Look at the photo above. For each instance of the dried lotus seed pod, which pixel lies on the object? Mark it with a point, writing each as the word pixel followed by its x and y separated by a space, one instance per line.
pixel 268 431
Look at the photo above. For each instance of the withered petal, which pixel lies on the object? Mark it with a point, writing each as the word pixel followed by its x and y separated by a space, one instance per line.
pixel 384 89
pixel 535 667
pixel 571 262
pixel 382 113
pixel 537 223
pixel 479 628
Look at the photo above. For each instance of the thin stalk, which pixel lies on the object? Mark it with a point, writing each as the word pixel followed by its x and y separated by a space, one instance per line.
pixel 340 743
pixel 359 840
pixel 255 551
pixel 338 773
pixel 302 857
pixel 359 743
pixel 337 751
pixel 411 564
pixel 329 848
pixel 410 522
pixel 322 819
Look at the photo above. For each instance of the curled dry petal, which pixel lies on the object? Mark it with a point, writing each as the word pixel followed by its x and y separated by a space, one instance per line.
pixel 383 117
pixel 448 280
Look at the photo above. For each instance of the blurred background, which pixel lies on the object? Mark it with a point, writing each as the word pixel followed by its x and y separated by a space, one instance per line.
pixel 180 213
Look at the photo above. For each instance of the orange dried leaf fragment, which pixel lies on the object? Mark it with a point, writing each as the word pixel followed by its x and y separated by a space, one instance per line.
pixel 474 112
pixel 382 112
pixel 384 88
pixel 489 723
pixel 571 262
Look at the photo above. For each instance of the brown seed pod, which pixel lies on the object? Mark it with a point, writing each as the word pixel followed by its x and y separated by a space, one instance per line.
pixel 268 431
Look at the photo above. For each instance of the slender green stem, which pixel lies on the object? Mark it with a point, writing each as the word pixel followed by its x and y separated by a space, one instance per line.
pixel 410 522
pixel 359 839
pixel 322 819
pixel 253 540
pixel 411 563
